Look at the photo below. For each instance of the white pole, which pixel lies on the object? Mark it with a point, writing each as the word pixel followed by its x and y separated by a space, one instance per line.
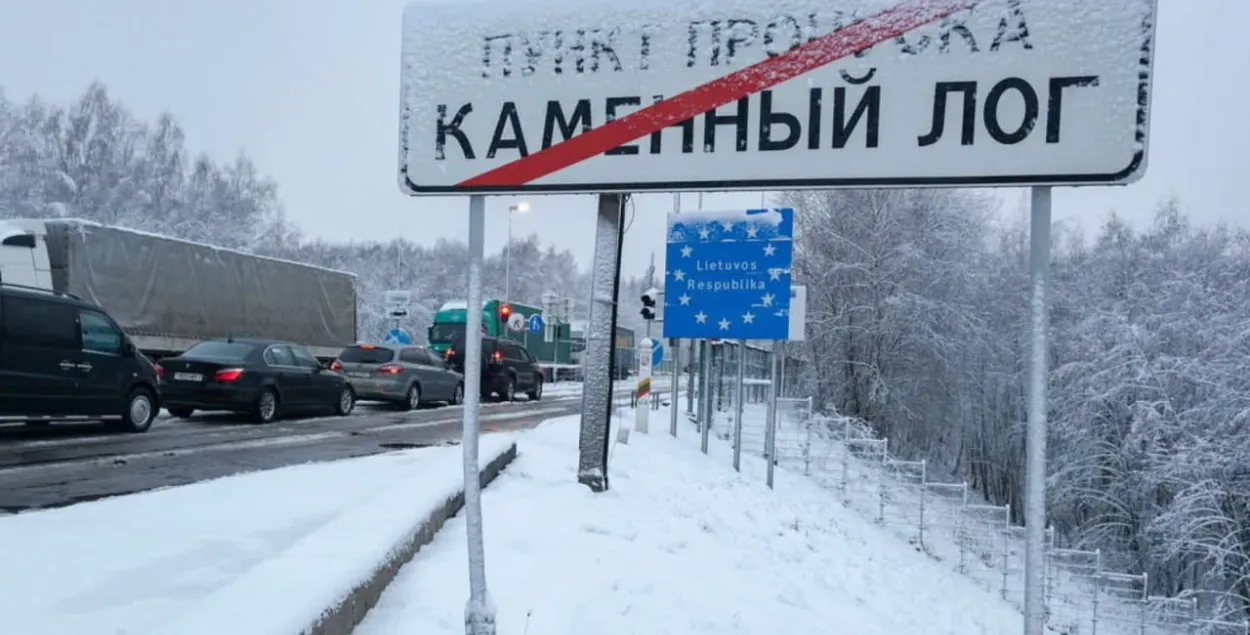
pixel 642 411
pixel 770 436
pixel 705 394
pixel 1035 439
pixel 479 611
pixel 675 344
pixel 740 395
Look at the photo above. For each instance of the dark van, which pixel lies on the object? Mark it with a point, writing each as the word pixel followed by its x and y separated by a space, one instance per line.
pixel 62 357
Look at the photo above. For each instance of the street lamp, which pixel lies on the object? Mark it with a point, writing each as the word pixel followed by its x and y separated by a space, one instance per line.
pixel 521 208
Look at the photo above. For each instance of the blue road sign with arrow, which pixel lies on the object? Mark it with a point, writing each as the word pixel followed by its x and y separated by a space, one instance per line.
pixel 397 336
pixel 657 352
pixel 729 274
pixel 536 323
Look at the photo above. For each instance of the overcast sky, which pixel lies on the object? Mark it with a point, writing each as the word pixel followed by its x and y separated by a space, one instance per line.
pixel 310 90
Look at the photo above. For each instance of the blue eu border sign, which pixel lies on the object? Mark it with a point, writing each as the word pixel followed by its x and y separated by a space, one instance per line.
pixel 728 274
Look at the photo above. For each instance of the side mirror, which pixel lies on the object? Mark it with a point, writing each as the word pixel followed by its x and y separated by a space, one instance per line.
pixel 128 348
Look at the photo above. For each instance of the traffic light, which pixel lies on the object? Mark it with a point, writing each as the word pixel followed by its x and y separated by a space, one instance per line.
pixel 649 300
pixel 505 311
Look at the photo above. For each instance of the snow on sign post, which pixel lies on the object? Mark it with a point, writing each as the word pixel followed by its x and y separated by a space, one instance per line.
pixel 604 96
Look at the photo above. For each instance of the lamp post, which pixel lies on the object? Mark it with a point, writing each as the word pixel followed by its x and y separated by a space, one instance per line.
pixel 520 207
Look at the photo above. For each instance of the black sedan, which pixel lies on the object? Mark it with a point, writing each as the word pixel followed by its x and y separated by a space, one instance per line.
pixel 265 379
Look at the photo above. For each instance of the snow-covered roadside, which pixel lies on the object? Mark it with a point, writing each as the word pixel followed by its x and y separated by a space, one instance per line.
pixel 261 553
pixel 681 544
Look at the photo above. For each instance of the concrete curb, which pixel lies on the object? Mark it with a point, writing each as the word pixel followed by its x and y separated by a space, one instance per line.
pixel 343 618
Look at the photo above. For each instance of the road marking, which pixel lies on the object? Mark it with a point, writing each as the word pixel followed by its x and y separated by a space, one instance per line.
pixel 246 444
pixel 482 418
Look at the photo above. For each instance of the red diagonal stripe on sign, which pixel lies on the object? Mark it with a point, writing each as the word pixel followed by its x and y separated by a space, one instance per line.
pixel 762 75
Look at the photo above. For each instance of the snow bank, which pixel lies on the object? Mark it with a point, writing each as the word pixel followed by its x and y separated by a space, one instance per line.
pixel 264 553
pixel 681 544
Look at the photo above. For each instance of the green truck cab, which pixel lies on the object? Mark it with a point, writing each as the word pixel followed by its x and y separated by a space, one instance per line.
pixel 450 320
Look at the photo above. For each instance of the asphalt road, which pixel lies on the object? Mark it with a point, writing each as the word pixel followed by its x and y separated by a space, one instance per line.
pixel 64 464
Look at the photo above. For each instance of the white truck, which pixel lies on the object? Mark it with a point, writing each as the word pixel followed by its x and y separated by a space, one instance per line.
pixel 168 294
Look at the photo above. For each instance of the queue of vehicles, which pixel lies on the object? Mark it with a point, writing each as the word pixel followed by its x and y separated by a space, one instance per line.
pixel 109 323
pixel 62 357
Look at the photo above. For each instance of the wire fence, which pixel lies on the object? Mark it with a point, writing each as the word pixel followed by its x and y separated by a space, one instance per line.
pixel 948 522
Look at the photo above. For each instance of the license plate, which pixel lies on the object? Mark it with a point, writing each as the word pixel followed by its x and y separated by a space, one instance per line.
pixel 188 377
pixel 359 375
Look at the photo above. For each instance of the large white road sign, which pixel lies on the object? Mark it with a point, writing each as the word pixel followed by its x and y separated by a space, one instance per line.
pixel 603 95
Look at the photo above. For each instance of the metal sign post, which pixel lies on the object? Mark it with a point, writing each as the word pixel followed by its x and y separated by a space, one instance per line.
pixel 600 354
pixel 739 390
pixel 674 386
pixel 1035 431
pixel 690 379
pixel 770 435
pixel 479 613
pixel 705 395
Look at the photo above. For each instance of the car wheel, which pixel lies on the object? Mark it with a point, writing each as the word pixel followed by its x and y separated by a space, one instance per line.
pixel 139 410
pixel 509 390
pixel 537 392
pixel 181 413
pixel 266 408
pixel 413 400
pixel 346 402
pixel 457 397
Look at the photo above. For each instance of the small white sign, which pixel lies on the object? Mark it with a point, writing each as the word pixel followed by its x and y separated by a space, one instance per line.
pixel 798 313
pixel 517 322
pixel 599 96
pixel 395 300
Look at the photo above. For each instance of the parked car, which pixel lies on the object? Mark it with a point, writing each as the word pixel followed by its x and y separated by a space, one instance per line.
pixel 61 356
pixel 405 375
pixel 266 379
pixel 507 368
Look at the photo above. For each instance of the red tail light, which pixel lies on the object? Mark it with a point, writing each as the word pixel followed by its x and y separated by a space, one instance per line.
pixel 497 356
pixel 390 369
pixel 228 374
pixel 336 366
pixel 160 371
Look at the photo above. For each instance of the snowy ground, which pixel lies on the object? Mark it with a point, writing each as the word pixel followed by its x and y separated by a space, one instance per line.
pixel 261 553
pixel 951 523
pixel 681 544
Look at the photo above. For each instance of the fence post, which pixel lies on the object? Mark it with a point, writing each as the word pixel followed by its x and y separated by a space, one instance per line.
pixel 1049 577
pixel 1006 533
pixel 885 457
pixel 807 447
pixel 963 532
pixel 924 487
pixel 1097 590
pixel 1145 601
pixel 846 461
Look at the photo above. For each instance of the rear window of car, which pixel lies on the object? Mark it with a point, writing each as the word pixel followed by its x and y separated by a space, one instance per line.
pixel 220 350
pixel 367 355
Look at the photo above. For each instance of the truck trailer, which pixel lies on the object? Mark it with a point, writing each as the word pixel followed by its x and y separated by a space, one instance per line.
pixel 168 294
